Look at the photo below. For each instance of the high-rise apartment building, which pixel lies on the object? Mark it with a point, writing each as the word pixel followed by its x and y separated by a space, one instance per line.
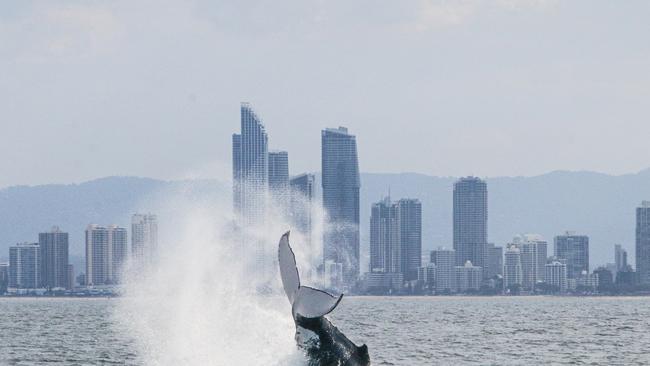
pixel 396 237
pixel 250 169
pixel 54 258
pixel 620 258
pixel 250 188
pixel 144 238
pixel 279 177
pixel 25 266
pixel 341 184
pixel 301 211
pixel 106 253
pixel 533 250
pixel 444 260
pixel 556 275
pixel 494 265
pixel 467 277
pixel 643 242
pixel 4 277
pixel 512 271
pixel 574 250
pixel 410 218
pixel 470 221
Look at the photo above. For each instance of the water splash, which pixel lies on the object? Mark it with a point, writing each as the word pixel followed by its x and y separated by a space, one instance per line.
pixel 196 305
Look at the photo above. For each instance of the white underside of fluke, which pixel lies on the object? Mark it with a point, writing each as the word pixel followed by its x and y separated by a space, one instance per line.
pixel 305 301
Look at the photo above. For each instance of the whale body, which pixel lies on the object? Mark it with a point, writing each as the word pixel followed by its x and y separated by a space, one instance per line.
pixel 323 343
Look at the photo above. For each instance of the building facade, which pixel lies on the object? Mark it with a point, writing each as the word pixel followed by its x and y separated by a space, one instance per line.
pixel 279 177
pixel 533 250
pixel 444 260
pixel 302 206
pixel 470 215
pixel 25 266
pixel 556 275
pixel 494 265
pixel 620 258
pixel 341 184
pixel 512 271
pixel 574 250
pixel 144 238
pixel 643 242
pixel 106 253
pixel 467 277
pixel 54 259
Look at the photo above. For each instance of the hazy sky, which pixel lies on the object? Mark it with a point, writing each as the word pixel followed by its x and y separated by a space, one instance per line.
pixel 152 88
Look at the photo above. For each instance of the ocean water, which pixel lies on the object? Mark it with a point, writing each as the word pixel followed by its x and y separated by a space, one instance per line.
pixel 398 331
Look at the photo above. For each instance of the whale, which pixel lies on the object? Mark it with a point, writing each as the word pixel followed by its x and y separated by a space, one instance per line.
pixel 322 342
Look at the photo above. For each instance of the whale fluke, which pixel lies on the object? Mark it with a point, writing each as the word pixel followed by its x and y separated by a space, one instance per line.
pixel 305 301
pixel 323 342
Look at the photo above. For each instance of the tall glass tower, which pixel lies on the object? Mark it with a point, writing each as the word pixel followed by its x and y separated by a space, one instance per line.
pixel 470 221
pixel 643 242
pixel 54 258
pixel 341 183
pixel 250 169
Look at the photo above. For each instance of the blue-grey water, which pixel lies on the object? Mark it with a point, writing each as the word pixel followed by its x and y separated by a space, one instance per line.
pixel 398 331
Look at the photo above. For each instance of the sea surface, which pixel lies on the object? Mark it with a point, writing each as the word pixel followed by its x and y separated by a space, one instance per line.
pixel 398 331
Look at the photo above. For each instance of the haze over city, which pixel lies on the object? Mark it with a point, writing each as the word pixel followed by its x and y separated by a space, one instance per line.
pixel 152 88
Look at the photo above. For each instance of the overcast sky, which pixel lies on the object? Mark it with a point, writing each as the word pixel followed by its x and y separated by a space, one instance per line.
pixel 490 88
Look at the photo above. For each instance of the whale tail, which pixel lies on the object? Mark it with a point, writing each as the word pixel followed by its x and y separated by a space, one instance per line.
pixel 306 301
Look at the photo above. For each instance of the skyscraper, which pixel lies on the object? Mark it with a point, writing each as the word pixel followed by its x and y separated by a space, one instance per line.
pixel 533 251
pixel 620 258
pixel 385 248
pixel 144 237
pixel 556 275
pixel 574 249
pixel 25 266
pixel 54 258
pixel 106 253
pixel 4 277
pixel 396 237
pixel 250 191
pixel 512 272
pixel 444 260
pixel 302 191
pixel 494 264
pixel 279 176
pixel 643 242
pixel 470 221
pixel 467 277
pixel 410 217
pixel 250 169
pixel 341 184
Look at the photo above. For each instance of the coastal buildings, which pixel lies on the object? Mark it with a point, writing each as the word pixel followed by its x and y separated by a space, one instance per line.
pixel 144 238
pixel 301 211
pixel 512 271
pixel 444 260
pixel 643 242
pixel 396 237
pixel 341 184
pixel 470 215
pixel 533 251
pixel 467 277
pixel 620 257
pixel 574 250
pixel 556 275
pixel 106 253
pixel 279 177
pixel 25 266
pixel 54 259
pixel 494 265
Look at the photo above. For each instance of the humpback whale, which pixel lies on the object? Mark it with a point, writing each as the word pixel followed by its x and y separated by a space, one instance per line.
pixel 323 343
